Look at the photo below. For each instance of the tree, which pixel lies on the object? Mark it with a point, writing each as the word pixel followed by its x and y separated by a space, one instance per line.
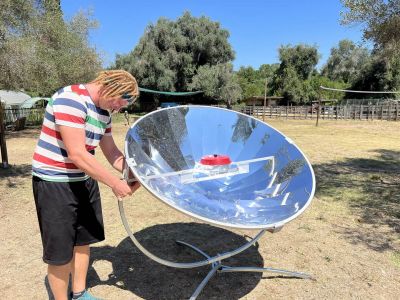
pixel 345 62
pixel 290 85
pixel 249 82
pixel 297 66
pixel 39 51
pixel 315 92
pixel 183 55
pixel 379 74
pixel 217 82
pixel 381 21
pixel 252 82
pixel 302 58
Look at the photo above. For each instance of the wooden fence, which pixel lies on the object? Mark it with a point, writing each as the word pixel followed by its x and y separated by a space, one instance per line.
pixel 389 112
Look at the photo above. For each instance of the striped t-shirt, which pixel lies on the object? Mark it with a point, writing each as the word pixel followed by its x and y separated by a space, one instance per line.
pixel 73 107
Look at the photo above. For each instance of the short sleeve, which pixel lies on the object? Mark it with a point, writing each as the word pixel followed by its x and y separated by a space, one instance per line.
pixel 108 128
pixel 69 110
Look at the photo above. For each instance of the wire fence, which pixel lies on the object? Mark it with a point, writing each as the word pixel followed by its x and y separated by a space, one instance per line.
pixel 27 116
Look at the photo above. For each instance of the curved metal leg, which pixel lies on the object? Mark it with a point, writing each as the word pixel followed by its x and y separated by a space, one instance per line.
pixel 168 263
pixel 204 282
pixel 214 262
pixel 181 243
pixel 226 269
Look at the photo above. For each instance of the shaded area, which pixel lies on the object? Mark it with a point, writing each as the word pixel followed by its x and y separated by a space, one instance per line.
pixel 15 173
pixel 371 187
pixel 134 271
pixel 33 132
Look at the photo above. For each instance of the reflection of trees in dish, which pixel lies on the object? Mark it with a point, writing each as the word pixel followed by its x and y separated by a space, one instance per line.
pixel 268 165
pixel 291 169
pixel 283 152
pixel 265 138
pixel 244 127
pixel 165 131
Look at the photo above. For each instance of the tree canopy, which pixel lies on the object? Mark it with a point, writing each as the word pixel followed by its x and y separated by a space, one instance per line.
pixel 39 51
pixel 184 55
pixel 298 64
pixel 345 62
pixel 381 21
pixel 253 81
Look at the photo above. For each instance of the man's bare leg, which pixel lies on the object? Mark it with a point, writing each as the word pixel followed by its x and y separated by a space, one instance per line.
pixel 58 277
pixel 79 268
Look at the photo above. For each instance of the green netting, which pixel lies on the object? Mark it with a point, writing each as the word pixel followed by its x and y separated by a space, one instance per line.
pixel 169 93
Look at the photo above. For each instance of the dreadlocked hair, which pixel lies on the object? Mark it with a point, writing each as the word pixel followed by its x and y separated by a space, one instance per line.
pixel 116 83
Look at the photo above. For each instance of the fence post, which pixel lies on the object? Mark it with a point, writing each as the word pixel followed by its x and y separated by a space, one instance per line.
pixel 3 146
pixel 318 111
pixel 372 112
pixel 338 111
pixel 312 111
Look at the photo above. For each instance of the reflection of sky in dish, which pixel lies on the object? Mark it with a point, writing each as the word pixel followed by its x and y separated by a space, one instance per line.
pixel 174 140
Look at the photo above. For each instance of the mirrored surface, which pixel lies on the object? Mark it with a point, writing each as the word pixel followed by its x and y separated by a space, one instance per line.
pixel 268 183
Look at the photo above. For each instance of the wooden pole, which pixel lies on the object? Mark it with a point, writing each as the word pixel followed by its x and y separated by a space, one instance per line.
pixel 4 156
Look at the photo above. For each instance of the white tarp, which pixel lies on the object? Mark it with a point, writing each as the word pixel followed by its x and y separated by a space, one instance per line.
pixel 13 99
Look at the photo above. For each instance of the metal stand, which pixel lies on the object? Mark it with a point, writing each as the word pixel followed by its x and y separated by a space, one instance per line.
pixel 215 262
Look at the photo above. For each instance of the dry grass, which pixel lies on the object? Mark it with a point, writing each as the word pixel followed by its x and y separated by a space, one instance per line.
pixel 348 238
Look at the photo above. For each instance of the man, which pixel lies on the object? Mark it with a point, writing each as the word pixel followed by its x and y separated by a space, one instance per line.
pixel 65 174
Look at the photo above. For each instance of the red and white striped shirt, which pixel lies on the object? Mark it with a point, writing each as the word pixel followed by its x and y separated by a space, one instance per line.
pixel 71 106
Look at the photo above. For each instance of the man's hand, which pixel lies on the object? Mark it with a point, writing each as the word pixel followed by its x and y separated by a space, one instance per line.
pixel 121 189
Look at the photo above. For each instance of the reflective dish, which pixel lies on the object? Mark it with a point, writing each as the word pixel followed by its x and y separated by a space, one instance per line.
pixel 220 166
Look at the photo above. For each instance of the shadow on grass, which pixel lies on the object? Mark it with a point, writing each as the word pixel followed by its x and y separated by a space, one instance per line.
pixel 135 272
pixel 14 173
pixel 32 132
pixel 371 187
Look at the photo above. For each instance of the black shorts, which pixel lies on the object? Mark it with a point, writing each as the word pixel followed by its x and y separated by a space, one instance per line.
pixel 69 215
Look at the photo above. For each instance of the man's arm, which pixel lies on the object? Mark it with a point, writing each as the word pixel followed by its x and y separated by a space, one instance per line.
pixel 112 153
pixel 74 141
pixel 115 157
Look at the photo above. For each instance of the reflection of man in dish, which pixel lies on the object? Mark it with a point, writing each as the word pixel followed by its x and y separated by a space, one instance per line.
pixel 65 174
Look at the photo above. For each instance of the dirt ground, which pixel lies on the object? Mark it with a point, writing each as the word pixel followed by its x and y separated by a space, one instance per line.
pixel 348 239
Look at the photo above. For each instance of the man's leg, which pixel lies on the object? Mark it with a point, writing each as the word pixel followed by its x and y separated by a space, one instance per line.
pixel 58 277
pixel 80 264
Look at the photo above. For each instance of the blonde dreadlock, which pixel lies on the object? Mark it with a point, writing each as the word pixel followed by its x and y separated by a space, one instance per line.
pixel 117 83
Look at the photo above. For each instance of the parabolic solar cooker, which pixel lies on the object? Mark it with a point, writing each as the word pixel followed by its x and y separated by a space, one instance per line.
pixel 222 167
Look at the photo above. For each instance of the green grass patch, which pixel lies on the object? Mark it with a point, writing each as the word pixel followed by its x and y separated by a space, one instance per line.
pixel 395 258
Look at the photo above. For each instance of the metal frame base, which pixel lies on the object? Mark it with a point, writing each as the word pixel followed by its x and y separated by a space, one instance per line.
pixel 215 262
pixel 218 267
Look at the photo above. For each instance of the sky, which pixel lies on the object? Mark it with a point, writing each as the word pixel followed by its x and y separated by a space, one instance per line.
pixel 257 27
